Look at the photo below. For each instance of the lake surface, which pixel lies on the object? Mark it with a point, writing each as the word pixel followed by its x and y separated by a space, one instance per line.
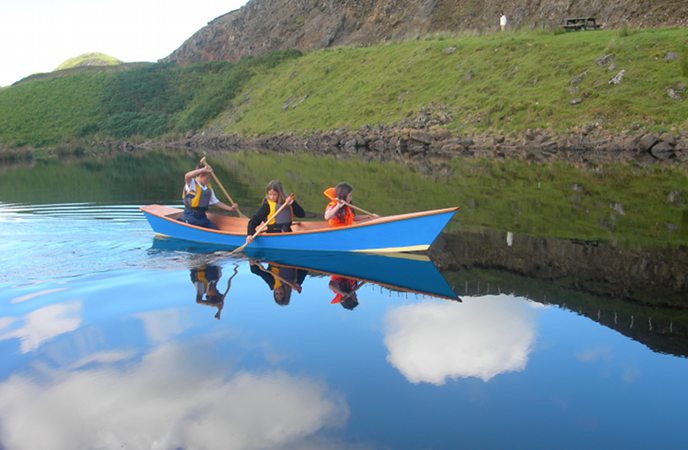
pixel 521 340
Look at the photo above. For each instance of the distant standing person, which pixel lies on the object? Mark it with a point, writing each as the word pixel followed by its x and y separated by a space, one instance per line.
pixel 502 22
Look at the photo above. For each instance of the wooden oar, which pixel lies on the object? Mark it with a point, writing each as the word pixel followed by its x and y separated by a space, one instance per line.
pixel 346 295
pixel 224 191
pixel 263 226
pixel 291 284
pixel 332 197
pixel 357 208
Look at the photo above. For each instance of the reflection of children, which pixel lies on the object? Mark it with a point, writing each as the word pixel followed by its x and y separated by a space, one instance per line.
pixel 280 280
pixel 345 291
pixel 198 196
pixel 205 280
pixel 274 199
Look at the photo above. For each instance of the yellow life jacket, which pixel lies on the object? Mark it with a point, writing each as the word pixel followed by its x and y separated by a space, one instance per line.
pixel 275 273
pixel 285 216
pixel 198 198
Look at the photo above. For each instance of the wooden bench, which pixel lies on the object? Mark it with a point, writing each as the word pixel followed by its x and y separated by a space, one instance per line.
pixel 580 24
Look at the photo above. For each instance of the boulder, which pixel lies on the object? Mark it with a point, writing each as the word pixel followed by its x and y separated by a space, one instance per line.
pixel 648 141
pixel 662 151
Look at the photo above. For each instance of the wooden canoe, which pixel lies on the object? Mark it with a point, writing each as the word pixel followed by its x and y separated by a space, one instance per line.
pixel 398 233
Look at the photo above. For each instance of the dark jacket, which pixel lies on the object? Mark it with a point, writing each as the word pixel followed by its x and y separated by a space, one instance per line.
pixel 294 275
pixel 264 212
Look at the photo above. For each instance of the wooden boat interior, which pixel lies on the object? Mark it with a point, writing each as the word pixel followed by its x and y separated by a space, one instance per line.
pixel 233 224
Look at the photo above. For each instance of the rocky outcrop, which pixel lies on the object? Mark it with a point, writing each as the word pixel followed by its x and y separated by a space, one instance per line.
pixel 422 141
pixel 266 25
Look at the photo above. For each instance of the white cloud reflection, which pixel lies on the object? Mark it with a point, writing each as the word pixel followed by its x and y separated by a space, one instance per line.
pixel 44 324
pixel 169 399
pixel 481 337
pixel 163 324
pixel 594 354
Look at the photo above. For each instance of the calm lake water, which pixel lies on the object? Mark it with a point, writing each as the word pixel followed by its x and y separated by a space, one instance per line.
pixel 554 343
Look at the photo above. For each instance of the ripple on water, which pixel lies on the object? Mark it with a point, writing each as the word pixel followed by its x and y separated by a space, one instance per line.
pixel 39 242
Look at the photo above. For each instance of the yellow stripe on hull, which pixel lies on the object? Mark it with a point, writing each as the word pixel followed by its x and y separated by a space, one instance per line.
pixel 410 248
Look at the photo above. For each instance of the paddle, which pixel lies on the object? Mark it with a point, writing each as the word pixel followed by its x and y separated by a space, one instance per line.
pixel 263 225
pixel 222 187
pixel 329 193
pixel 346 295
pixel 293 285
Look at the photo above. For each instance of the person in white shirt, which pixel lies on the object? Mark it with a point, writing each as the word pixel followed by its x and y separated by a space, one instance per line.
pixel 198 196
pixel 502 22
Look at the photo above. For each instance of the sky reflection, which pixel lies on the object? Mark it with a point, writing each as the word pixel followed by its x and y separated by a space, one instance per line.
pixel 482 338
pixel 42 324
pixel 174 397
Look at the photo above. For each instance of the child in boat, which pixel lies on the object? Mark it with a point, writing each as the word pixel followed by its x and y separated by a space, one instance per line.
pixel 339 212
pixel 198 196
pixel 274 199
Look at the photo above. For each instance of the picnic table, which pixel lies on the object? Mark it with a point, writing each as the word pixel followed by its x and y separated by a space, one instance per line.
pixel 580 24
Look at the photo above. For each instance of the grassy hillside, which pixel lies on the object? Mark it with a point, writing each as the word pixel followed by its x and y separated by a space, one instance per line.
pixel 495 83
pixel 491 83
pixel 89 59
pixel 145 100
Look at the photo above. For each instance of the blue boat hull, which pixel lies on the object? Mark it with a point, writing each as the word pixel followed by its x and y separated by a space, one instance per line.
pixel 404 272
pixel 405 232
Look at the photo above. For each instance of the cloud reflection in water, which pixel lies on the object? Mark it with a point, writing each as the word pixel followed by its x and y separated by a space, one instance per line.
pixel 481 337
pixel 44 324
pixel 169 399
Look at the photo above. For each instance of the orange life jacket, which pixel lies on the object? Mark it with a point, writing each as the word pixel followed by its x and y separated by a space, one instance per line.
pixel 345 284
pixel 336 221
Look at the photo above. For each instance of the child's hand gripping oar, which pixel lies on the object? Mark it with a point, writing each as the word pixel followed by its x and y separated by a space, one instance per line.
pixel 224 191
pixel 329 193
pixel 264 225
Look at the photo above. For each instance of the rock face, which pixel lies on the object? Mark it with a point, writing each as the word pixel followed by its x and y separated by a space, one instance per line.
pixel 266 25
pixel 422 142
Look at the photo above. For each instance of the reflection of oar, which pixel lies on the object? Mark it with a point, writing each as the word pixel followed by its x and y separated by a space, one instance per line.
pixel 283 280
pixel 263 225
pixel 348 294
pixel 224 191
pixel 329 193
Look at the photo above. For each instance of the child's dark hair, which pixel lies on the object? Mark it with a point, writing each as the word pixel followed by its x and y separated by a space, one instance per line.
pixel 341 191
pixel 276 185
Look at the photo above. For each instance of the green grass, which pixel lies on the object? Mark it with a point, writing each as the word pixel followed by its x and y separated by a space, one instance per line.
pixel 552 200
pixel 501 83
pixel 492 83
pixel 89 59
pixel 123 102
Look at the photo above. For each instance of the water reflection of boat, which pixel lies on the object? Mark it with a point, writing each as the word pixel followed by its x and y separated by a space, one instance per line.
pixel 403 232
pixel 398 271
